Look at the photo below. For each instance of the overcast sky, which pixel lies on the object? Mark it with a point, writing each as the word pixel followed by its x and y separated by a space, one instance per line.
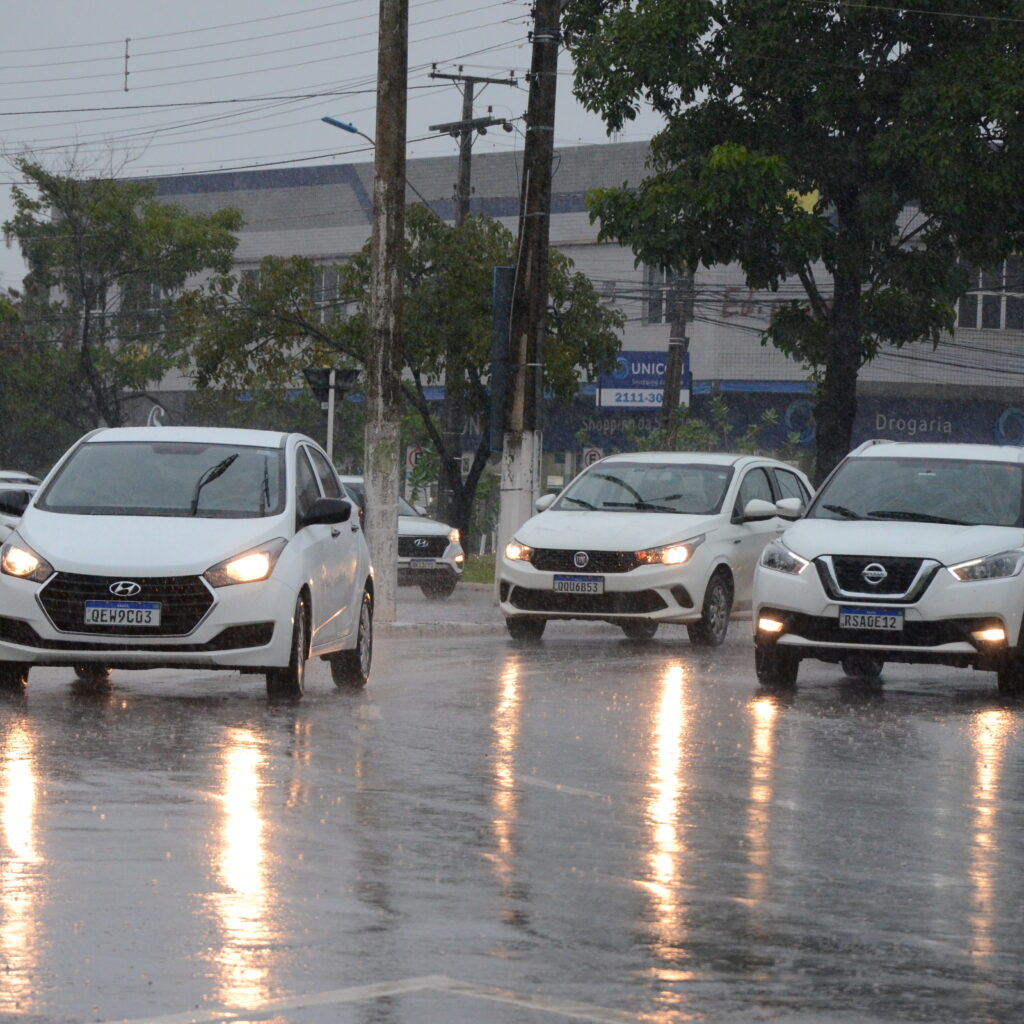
pixel 243 84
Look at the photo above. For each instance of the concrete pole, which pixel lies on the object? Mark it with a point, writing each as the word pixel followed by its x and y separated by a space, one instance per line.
pixel 382 462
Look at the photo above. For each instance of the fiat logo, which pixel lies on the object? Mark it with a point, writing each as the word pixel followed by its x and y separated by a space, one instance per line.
pixel 874 573
pixel 125 588
pixel 580 559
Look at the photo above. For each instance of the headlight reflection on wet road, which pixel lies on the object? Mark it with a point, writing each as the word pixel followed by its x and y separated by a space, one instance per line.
pixel 505 723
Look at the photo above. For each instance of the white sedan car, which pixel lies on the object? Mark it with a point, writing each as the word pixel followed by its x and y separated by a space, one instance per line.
pixel 188 547
pixel 646 538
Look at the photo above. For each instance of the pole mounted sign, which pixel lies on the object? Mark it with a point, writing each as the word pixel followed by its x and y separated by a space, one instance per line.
pixel 638 381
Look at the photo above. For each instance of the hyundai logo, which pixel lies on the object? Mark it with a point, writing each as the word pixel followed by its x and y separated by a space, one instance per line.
pixel 421 542
pixel 874 573
pixel 580 559
pixel 124 588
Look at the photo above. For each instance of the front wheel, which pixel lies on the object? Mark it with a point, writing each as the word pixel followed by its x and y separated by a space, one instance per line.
pixel 714 620
pixel 775 666
pixel 291 681
pixel 351 669
pixel 639 629
pixel 525 629
pixel 1010 676
pixel 438 590
pixel 90 673
pixel 13 675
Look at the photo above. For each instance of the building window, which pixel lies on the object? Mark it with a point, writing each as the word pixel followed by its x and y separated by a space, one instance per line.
pixel 326 294
pixel 995 297
pixel 658 285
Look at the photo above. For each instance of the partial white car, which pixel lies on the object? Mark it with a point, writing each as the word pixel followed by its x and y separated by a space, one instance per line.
pixel 188 547
pixel 652 537
pixel 430 554
pixel 910 552
pixel 15 495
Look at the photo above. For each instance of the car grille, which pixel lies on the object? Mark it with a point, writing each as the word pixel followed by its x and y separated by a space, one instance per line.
pixel 559 560
pixel 422 547
pixel 914 634
pixel 184 600
pixel 586 604
pixel 905 578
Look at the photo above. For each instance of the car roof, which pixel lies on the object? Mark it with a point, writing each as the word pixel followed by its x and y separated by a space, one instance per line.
pixel 686 458
pixel 883 449
pixel 217 435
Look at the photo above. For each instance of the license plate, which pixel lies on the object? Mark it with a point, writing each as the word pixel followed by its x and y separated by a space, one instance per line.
pixel 122 613
pixel 890 619
pixel 578 585
pixel 422 563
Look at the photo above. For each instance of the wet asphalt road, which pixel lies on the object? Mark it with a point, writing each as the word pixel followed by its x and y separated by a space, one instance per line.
pixel 589 829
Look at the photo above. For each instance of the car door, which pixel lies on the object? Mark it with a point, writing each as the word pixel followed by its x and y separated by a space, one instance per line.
pixel 750 538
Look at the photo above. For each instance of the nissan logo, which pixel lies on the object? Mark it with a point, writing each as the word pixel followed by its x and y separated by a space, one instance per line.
pixel 124 588
pixel 580 559
pixel 874 573
pixel 421 542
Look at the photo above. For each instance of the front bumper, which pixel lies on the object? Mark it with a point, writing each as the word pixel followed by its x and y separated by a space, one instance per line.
pixel 941 627
pixel 247 626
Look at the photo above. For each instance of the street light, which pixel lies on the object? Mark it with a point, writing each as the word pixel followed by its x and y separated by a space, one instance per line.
pixel 345 126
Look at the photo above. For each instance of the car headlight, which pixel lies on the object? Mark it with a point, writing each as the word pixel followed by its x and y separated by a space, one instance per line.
pixel 670 554
pixel 992 567
pixel 516 552
pixel 778 557
pixel 453 536
pixel 248 567
pixel 20 561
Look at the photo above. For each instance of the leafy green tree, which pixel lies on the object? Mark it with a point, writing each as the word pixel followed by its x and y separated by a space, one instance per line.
pixel 858 149
pixel 258 331
pixel 105 260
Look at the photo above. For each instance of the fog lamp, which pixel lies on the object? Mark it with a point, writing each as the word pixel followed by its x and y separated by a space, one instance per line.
pixel 994 635
pixel 767 625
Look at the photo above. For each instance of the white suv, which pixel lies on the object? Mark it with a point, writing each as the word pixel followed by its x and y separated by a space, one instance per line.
pixel 910 552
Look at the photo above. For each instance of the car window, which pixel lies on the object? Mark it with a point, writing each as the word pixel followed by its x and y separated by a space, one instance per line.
pixel 755 485
pixel 306 488
pixel 329 483
pixel 692 489
pixel 790 485
pixel 163 478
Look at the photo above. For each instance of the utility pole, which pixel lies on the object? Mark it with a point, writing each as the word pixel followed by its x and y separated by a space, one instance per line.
pixel 453 419
pixel 383 357
pixel 680 299
pixel 521 455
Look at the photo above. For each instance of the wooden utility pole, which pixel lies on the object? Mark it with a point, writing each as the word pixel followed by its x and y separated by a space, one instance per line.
pixel 680 300
pixel 382 460
pixel 521 455
pixel 453 417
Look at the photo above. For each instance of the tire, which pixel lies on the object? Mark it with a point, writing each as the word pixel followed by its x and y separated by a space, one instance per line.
pixel 639 629
pixel 1010 677
pixel 89 673
pixel 13 675
pixel 525 629
pixel 438 590
pixel 351 669
pixel 714 620
pixel 775 666
pixel 862 665
pixel 291 681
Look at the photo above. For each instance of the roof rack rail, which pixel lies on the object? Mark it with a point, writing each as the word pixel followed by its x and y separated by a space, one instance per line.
pixel 871 442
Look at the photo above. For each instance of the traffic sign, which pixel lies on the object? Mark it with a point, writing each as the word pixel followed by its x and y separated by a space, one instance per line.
pixel 592 455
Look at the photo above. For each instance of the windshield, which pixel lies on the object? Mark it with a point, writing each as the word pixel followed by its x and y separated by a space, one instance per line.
pixel 648 487
pixel 923 490
pixel 158 478
pixel 358 495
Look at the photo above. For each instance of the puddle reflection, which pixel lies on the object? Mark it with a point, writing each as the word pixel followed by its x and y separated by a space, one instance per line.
pixel 243 906
pixel 505 725
pixel 762 764
pixel 988 738
pixel 20 891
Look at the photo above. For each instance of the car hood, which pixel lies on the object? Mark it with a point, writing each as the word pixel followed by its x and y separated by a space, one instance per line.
pixel 611 531
pixel 420 526
pixel 947 544
pixel 142 545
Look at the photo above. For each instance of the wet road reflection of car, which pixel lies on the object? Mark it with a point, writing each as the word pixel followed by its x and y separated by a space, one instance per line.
pixel 499 833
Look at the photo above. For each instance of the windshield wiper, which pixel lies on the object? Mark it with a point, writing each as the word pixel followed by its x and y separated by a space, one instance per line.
pixel 265 488
pixel 842 510
pixel 580 501
pixel 622 483
pixel 208 477
pixel 643 506
pixel 914 517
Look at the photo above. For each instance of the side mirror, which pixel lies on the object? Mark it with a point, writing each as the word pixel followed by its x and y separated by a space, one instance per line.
pixel 327 510
pixel 14 503
pixel 757 510
pixel 789 508
pixel 544 501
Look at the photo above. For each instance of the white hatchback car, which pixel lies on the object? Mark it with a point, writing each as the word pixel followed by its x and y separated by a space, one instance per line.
pixel 911 552
pixel 646 538
pixel 188 547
